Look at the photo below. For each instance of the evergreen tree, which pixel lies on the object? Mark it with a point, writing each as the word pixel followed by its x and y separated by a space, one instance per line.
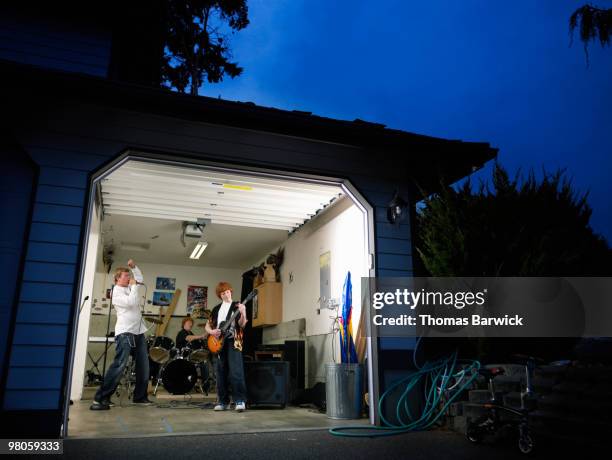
pixel 517 228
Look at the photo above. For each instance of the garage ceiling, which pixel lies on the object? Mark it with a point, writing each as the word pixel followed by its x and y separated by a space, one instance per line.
pixel 177 193
pixel 158 241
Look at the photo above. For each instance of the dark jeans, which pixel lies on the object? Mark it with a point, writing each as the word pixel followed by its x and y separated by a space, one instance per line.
pixel 126 344
pixel 230 372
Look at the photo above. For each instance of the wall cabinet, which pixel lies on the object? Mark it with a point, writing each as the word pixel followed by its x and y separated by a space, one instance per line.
pixel 268 304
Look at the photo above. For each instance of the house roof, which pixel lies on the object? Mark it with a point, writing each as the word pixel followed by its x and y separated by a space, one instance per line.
pixel 429 157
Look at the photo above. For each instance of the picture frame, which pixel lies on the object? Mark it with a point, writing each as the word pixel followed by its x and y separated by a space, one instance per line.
pixel 197 298
pixel 162 299
pixel 165 284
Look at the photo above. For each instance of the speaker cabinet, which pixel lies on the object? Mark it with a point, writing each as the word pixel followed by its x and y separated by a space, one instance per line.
pixel 295 354
pixel 267 382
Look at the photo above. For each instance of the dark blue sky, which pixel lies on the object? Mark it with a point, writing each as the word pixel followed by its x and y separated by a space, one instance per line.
pixel 478 70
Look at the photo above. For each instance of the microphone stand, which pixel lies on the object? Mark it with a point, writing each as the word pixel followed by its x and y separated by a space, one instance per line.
pixel 110 306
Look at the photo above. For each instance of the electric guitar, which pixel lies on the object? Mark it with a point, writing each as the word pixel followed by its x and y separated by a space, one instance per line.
pixel 216 344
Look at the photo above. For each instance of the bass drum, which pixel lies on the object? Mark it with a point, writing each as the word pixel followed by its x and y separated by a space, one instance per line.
pixel 179 376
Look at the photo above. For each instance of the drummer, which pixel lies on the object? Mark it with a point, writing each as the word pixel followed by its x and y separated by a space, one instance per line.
pixel 183 339
pixel 185 335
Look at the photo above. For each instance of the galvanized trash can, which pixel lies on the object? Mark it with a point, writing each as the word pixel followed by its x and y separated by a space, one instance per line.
pixel 343 390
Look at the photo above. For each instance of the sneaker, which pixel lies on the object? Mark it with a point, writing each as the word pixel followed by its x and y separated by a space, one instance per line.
pixel 142 402
pixel 220 407
pixel 99 405
pixel 240 406
pixel 108 402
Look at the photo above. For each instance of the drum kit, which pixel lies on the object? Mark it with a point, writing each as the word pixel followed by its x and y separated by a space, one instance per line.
pixel 178 366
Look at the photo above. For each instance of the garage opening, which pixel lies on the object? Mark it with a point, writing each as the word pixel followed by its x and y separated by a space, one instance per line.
pixel 290 240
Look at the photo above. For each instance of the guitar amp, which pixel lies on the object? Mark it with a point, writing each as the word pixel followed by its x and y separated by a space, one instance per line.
pixel 269 355
pixel 267 382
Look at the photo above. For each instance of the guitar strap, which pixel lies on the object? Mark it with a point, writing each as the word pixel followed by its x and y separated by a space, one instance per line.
pixel 238 331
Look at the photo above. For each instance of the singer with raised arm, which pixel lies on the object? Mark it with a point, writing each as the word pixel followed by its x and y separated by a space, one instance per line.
pixel 129 339
pixel 228 361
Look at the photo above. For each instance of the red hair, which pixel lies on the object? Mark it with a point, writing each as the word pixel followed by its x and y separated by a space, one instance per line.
pixel 187 318
pixel 222 287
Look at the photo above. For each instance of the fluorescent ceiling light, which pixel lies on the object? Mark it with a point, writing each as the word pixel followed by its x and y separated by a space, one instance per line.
pixel 198 250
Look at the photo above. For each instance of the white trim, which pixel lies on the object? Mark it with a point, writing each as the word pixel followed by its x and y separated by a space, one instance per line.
pixel 255 172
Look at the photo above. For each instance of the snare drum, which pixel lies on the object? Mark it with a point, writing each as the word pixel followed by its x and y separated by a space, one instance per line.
pixel 174 353
pixel 184 353
pixel 199 351
pixel 160 349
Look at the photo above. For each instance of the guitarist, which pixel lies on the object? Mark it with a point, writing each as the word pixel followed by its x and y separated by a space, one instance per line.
pixel 228 362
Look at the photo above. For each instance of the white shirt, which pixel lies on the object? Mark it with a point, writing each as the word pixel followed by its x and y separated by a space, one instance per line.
pixel 126 302
pixel 223 311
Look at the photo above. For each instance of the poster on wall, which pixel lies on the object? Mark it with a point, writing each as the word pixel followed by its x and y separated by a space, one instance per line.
pixel 162 299
pixel 166 284
pixel 196 299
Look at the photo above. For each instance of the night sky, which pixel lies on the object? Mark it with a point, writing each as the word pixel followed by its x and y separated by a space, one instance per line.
pixel 477 70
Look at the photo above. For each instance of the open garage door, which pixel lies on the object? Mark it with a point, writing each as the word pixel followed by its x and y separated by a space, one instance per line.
pixel 189 226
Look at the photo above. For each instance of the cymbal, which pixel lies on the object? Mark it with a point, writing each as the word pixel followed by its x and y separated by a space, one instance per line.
pixel 201 324
pixel 153 320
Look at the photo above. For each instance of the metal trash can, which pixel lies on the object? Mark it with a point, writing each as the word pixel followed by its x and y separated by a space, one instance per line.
pixel 343 390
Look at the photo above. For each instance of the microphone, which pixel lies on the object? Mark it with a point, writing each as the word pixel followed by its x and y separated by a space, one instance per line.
pixel 83 303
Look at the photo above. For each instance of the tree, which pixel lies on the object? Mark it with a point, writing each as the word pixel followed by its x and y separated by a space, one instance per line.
pixel 197 42
pixel 594 23
pixel 519 228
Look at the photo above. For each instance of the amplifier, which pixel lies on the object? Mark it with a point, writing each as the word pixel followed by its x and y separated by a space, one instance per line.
pixel 267 382
pixel 269 355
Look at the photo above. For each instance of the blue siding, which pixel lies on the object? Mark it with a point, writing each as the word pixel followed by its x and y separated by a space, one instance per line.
pixel 394 261
pixel 31 400
pixel 34 378
pixel 62 176
pixel 55 233
pixel 16 195
pixel 45 307
pixel 380 197
pixel 59 156
pixel 54 46
pixel 60 195
pixel 387 230
pixel 29 356
pixel 35 334
pixel 46 292
pixel 60 214
pixel 9 257
pixel 52 252
pixel 55 273
pixel 44 313
pixel 393 246
pixel 380 214
pixel 394 273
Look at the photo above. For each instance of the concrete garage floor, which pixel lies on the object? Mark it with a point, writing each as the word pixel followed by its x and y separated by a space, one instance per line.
pixel 179 416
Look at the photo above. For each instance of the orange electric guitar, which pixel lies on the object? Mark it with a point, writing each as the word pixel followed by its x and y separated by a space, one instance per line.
pixel 216 344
